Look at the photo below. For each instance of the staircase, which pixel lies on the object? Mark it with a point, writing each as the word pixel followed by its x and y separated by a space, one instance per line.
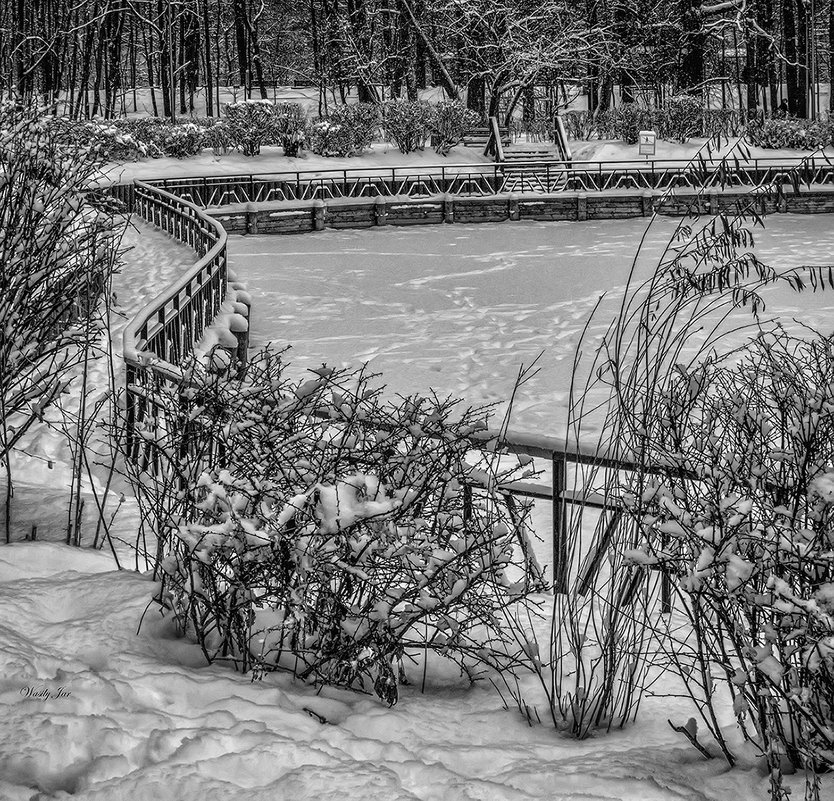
pixel 525 168
pixel 522 176
pixel 479 137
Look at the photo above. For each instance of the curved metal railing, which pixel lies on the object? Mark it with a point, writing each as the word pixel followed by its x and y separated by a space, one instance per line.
pixel 164 331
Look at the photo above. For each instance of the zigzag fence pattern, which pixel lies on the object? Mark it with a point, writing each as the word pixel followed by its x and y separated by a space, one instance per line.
pixel 491 179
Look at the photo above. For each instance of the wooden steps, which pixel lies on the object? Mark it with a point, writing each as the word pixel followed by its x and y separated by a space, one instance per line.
pixel 479 136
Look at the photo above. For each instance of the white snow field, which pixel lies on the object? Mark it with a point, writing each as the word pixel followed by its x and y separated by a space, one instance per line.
pixel 460 308
pixel 92 709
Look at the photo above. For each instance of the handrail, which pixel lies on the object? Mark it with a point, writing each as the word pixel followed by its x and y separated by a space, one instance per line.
pixel 491 178
pixel 561 137
pixel 494 144
pixel 138 330
pixel 166 329
pixel 636 164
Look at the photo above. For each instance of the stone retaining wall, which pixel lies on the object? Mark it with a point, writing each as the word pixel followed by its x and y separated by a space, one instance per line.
pixel 301 217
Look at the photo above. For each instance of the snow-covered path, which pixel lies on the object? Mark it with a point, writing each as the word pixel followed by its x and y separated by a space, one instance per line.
pixel 41 467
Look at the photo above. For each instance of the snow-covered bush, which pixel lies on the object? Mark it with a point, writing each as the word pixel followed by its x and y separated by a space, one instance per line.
pixel 791 133
pixel 718 540
pixel 682 118
pixel 448 122
pixel 111 140
pixel 251 124
pixel 407 124
pixel 740 519
pixel 328 138
pixel 628 121
pixel 725 122
pixel 135 138
pixel 183 140
pixel 579 125
pixel 347 131
pixel 291 127
pixel 338 532
pixel 151 131
pixel 217 136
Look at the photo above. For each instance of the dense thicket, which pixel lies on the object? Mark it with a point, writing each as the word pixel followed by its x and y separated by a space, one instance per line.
pixel 499 54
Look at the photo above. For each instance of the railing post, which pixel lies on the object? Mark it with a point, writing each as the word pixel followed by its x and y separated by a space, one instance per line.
pixel 319 210
pixel 380 211
pixel 448 208
pixel 560 527
pixel 581 207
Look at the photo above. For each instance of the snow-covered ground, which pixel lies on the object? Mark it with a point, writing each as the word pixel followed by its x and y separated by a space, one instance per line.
pixel 460 308
pixel 41 466
pixel 91 709
pixel 385 155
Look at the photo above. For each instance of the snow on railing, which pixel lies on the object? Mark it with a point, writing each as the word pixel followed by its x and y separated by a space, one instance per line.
pixel 165 331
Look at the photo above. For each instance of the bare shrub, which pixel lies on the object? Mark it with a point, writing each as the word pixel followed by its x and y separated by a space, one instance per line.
pixel 314 527
pixel 58 248
pixel 726 510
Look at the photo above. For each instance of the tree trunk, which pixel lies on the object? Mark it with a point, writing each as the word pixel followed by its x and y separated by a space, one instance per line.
pixel 438 67
pixel 692 47
pixel 795 23
pixel 528 107
pixel 831 57
pixel 475 95
pixel 209 87
pixel 255 48
pixel 240 11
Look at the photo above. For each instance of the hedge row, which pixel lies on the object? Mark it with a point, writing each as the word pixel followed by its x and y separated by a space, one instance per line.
pixel 248 126
pixel 685 117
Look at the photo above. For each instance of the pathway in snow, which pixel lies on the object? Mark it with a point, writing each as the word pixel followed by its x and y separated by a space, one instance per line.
pixel 41 467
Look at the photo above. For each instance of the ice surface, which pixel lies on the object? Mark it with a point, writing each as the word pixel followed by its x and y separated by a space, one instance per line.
pixel 461 307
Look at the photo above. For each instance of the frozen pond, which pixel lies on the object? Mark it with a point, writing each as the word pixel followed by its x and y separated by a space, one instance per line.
pixel 459 308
